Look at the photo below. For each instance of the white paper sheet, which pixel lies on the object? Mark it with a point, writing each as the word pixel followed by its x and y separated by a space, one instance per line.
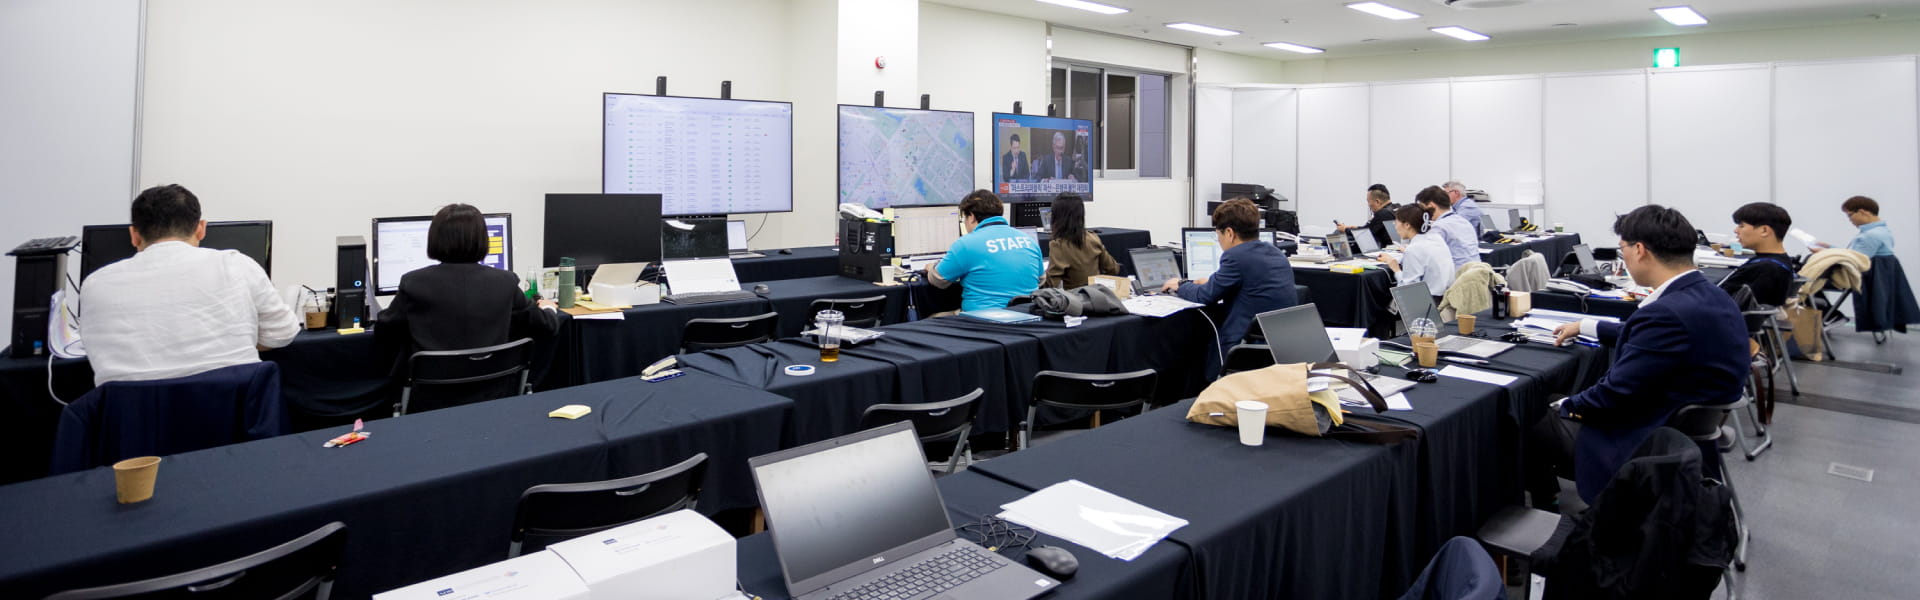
pixel 1093 518
pixel 605 316
pixel 1458 372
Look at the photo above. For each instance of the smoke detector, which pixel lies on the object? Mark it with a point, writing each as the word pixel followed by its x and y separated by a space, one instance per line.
pixel 1476 4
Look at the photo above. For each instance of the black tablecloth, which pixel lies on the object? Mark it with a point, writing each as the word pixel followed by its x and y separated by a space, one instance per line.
pixel 429 494
pixel 1552 248
pixel 1361 300
pixel 1606 307
pixel 1158 574
pixel 816 261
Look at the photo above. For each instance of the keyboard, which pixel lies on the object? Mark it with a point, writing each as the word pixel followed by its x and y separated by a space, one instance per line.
pixel 708 297
pixel 51 245
pixel 929 577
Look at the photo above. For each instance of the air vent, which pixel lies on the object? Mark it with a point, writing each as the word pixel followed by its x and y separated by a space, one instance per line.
pixel 1479 4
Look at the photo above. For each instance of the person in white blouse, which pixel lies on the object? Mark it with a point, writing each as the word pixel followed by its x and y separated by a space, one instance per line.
pixel 1426 258
pixel 1463 244
pixel 176 309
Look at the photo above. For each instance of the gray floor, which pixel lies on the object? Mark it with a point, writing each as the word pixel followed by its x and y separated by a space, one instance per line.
pixel 1817 535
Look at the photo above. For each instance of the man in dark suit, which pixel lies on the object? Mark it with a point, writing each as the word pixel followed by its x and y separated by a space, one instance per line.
pixel 1057 165
pixel 1013 164
pixel 1253 277
pixel 1686 344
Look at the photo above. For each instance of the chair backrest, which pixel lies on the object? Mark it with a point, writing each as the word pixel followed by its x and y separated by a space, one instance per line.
pixel 559 511
pixel 932 421
pixel 860 312
pixel 1701 422
pixel 1094 391
pixel 302 568
pixel 124 419
pixel 713 334
pixel 1247 357
pixel 457 377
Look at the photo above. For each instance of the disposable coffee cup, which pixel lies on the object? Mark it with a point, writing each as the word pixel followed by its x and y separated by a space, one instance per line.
pixel 1560 227
pixel 1253 422
pixel 1466 324
pixel 316 320
pixel 133 478
pixel 1428 353
pixel 1519 304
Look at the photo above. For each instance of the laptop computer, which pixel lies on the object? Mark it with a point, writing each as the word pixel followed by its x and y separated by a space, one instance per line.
pixel 1296 335
pixel 701 276
pixel 1340 246
pixel 737 241
pixel 858 516
pixel 1414 301
pixel 1486 223
pixel 1393 233
pixel 1365 241
pixel 1584 254
pixel 1153 267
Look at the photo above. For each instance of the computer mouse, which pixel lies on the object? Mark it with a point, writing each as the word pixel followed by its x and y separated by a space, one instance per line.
pixel 1053 561
pixel 761 289
pixel 786 251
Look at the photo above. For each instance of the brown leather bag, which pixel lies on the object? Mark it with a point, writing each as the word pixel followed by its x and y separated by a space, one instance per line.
pixel 1283 388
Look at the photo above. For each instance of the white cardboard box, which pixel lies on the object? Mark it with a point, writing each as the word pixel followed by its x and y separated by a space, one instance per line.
pixel 676 556
pixel 537 576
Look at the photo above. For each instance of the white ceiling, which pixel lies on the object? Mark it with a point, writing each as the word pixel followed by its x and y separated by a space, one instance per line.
pixel 1345 32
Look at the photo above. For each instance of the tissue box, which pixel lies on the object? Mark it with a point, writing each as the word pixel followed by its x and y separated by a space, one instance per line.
pixel 1353 347
pixel 676 556
pixel 538 576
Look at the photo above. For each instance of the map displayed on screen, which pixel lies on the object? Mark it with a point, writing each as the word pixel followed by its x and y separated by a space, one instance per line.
pixel 902 157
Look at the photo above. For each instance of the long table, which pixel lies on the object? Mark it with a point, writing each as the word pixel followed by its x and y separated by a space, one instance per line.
pixel 1553 248
pixel 1358 300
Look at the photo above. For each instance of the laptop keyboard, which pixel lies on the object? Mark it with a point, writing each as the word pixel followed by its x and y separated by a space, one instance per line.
pixel 1456 344
pixel 709 297
pixel 936 574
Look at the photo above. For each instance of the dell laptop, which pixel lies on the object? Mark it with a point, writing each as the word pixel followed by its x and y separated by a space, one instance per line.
pixel 1415 301
pixel 858 516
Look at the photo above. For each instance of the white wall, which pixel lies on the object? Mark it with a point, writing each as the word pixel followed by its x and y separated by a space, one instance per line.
pixel 66 120
pixel 980 77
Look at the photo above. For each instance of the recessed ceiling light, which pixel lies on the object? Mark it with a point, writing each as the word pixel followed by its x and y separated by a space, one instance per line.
pixel 1294 47
pixel 1683 16
pixel 1196 28
pixel 1091 6
pixel 1381 10
pixel 1460 33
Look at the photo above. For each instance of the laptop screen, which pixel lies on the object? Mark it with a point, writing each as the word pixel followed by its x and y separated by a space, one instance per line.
pixel 1365 241
pixel 1414 301
pixel 1486 223
pixel 1154 266
pixel 1296 335
pixel 1584 254
pixel 848 500
pixel 736 236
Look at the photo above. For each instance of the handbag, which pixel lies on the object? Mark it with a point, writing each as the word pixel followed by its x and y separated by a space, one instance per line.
pixel 1283 388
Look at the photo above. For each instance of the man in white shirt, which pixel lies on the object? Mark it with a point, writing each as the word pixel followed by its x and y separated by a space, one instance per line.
pixel 1425 259
pixel 1463 245
pixel 176 309
pixel 1467 207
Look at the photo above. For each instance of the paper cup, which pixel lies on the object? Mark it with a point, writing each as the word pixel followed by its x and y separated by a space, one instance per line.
pixel 1253 422
pixel 133 478
pixel 1559 227
pixel 1428 353
pixel 1519 304
pixel 316 320
pixel 1466 324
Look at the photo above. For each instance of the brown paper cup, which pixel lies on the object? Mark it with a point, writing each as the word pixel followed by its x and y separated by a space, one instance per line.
pixel 316 320
pixel 133 478
pixel 1428 353
pixel 1466 324
pixel 1519 304
pixel 1416 340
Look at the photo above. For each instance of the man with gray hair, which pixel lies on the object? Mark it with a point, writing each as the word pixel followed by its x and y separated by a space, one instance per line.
pixel 1464 205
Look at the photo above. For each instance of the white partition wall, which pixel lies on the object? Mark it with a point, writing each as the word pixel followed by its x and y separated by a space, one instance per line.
pixel 1496 134
pixel 1410 134
pixel 1265 139
pixel 1595 150
pixel 1333 152
pixel 1844 129
pixel 1214 121
pixel 1709 131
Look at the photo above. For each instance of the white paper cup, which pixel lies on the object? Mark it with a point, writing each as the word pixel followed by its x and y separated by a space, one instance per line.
pixel 1253 422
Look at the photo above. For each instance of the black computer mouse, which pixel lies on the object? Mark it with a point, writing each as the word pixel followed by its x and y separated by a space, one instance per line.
pixel 1053 561
pixel 786 251
pixel 761 289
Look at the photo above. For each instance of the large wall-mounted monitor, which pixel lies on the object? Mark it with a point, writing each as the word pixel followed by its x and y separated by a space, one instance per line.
pixel 703 156
pixel 400 247
pixel 904 157
pixel 102 245
pixel 1036 158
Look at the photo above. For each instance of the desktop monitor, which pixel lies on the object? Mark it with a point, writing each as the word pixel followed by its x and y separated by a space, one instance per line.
pixel 597 229
pixel 400 247
pixel 1202 248
pixel 102 245
pixel 1036 158
pixel 1154 266
pixel 904 157
pixel 702 156
pixel 1296 335
pixel 923 230
pixel 737 236
pixel 685 238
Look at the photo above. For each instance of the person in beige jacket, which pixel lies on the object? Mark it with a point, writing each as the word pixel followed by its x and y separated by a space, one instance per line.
pixel 1074 254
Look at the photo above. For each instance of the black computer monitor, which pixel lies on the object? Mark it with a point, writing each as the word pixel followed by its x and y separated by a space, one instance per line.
pixel 102 245
pixel 400 247
pixel 598 229
pixel 683 238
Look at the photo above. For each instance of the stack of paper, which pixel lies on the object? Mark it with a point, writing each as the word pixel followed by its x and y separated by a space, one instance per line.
pixel 1094 518
pixel 1156 306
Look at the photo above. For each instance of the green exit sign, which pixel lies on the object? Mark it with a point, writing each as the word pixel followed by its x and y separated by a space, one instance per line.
pixel 1666 57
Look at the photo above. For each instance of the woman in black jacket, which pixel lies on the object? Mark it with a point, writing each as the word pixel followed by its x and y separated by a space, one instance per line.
pixel 461 304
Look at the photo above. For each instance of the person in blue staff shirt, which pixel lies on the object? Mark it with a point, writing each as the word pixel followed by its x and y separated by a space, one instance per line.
pixel 993 262
pixel 1252 278
pixel 1685 345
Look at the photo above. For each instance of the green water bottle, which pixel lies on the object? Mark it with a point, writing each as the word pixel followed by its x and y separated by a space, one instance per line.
pixel 566 282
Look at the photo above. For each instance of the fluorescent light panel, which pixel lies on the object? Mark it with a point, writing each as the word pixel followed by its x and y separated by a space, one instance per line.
pixel 1461 33
pixel 1294 48
pixel 1381 10
pixel 1196 28
pixel 1683 16
pixel 1088 6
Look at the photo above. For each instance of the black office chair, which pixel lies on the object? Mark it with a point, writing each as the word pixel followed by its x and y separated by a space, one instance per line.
pixel 934 422
pixel 860 312
pixel 1710 426
pixel 1247 357
pixel 460 377
pixel 701 335
pixel 302 568
pixel 560 511
pixel 1087 391
pixel 1764 329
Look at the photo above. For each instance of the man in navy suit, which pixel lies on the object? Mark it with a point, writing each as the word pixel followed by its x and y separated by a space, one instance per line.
pixel 1253 276
pixel 1686 344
